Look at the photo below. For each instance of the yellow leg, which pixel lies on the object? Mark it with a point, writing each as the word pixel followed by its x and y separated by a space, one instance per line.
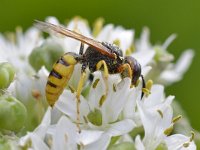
pixel 79 90
pixel 105 69
pixel 124 69
pixel 100 64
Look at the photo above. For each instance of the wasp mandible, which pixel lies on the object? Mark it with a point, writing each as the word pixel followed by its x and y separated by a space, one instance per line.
pixel 98 56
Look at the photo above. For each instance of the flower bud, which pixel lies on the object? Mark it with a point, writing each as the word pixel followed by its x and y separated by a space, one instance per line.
pixel 46 54
pixel 12 113
pixel 7 73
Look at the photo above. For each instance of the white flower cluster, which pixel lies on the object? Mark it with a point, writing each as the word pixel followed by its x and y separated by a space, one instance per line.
pixel 110 124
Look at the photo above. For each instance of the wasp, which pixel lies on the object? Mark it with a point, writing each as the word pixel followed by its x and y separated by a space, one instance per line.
pixel 98 56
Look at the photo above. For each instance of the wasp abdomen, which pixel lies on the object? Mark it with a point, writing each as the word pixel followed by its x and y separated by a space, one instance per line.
pixel 59 77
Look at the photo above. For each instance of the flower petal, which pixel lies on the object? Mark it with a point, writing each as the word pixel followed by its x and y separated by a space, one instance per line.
pixel 67 104
pixel 100 144
pixel 144 57
pixel 155 120
pixel 176 142
pixel 121 127
pixel 138 143
pixel 37 142
pixel 88 136
pixel 42 128
pixel 65 135
pixel 176 72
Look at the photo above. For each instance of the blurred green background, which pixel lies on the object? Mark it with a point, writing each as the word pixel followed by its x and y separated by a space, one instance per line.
pixel 162 17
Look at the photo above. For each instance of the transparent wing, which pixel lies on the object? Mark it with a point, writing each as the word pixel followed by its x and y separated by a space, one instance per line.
pixel 48 27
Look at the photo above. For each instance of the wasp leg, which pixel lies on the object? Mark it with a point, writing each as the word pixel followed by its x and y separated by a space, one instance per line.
pixel 105 69
pixel 78 94
pixel 126 71
pixel 81 49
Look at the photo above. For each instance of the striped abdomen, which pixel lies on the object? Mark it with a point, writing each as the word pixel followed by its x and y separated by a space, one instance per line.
pixel 59 77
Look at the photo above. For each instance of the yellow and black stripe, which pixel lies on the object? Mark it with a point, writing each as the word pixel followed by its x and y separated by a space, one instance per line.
pixel 59 77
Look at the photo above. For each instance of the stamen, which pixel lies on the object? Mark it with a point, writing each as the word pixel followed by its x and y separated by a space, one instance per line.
pixel 192 136
pixel 169 130
pixel 149 84
pixel 98 25
pixel 85 119
pixel 36 94
pixel 146 91
pixel 114 88
pixel 186 144
pixel 102 100
pixel 160 113
pixel 177 118
pixel 116 42
pixel 71 89
pixel 137 82
pixel 95 83
pixel 130 50
pixel 66 137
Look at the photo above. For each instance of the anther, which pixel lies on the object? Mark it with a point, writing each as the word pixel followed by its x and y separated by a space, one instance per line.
pixel 94 85
pixel 160 113
pixel 177 118
pixel 169 130
pixel 71 89
pixel 116 42
pixel 102 100
pixel 192 136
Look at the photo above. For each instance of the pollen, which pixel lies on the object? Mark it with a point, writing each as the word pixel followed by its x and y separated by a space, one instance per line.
pixel 95 83
pixel 169 130
pixel 177 118
pixel 98 25
pixel 114 88
pixel 160 113
pixel 186 144
pixel 192 136
pixel 102 100
pixel 36 93
pixel 146 91
pixel 116 42
pixel 149 84
pixel 71 89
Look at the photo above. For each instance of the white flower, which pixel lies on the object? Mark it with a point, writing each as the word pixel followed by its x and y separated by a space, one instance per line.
pixel 163 70
pixel 175 72
pixel 155 121
pixel 36 138
pixel 109 108
pixel 17 49
pixel 179 142
pixel 34 85
pixel 110 33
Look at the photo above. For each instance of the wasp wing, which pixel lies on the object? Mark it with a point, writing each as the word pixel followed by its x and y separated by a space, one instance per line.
pixel 48 27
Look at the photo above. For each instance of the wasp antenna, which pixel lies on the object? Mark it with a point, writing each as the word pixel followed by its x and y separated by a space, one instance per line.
pixel 143 85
